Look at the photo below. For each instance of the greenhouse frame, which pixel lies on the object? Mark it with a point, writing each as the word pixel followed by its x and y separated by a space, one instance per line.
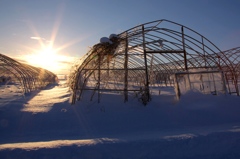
pixel 28 77
pixel 153 54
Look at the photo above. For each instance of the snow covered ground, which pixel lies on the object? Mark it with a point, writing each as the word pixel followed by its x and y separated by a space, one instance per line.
pixel 43 124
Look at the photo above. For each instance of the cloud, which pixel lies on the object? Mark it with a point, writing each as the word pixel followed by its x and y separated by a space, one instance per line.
pixel 37 38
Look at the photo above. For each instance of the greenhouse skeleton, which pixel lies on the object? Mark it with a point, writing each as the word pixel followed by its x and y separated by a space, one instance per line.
pixel 28 77
pixel 149 54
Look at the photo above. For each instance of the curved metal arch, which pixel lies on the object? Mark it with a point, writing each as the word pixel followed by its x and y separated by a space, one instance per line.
pixel 179 44
pixel 137 53
pixel 207 49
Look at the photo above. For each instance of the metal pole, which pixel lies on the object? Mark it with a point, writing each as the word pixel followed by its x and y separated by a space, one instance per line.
pixel 204 54
pixel 178 93
pixel 185 57
pixel 227 80
pixel 235 79
pixel 224 82
pixel 184 51
pixel 99 72
pixel 126 72
pixel 146 67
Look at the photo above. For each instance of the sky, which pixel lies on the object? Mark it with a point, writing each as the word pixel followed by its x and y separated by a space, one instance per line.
pixel 53 34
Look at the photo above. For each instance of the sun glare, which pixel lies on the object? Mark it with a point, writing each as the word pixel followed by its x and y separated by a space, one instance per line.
pixel 47 58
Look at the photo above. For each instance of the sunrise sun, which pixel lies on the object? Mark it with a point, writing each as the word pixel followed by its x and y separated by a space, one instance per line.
pixel 46 58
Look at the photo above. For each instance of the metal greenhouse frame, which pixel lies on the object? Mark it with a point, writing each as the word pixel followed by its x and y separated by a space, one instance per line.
pixel 143 56
pixel 232 77
pixel 28 77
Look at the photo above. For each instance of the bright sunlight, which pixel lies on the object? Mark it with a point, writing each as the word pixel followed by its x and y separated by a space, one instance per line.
pixel 46 55
pixel 47 58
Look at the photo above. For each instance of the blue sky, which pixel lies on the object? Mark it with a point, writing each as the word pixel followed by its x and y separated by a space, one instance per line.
pixel 74 25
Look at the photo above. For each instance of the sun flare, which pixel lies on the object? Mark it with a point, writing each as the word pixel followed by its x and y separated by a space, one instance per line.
pixel 46 58
pixel 47 55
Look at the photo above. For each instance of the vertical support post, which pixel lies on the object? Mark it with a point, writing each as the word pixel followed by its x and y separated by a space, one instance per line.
pixel 185 56
pixel 146 67
pixel 214 85
pixel 126 71
pixel 235 79
pixel 224 82
pixel 184 50
pixel 151 72
pixel 204 54
pixel 227 80
pixel 177 90
pixel 108 60
pixel 99 73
